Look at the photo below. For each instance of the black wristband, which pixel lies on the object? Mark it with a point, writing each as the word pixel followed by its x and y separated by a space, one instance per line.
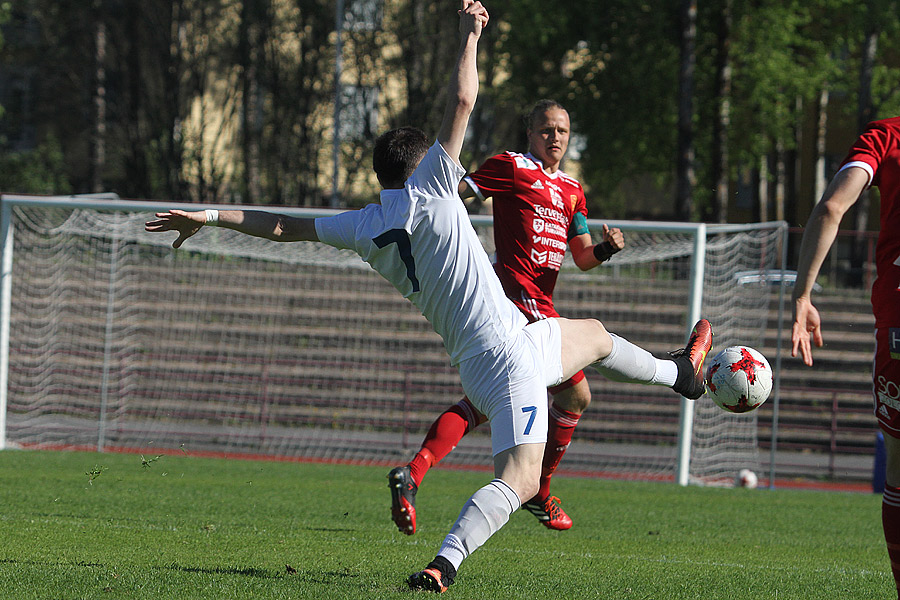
pixel 604 250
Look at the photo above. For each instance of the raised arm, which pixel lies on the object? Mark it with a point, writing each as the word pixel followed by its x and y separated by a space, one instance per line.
pixel 258 223
pixel 463 87
pixel 821 230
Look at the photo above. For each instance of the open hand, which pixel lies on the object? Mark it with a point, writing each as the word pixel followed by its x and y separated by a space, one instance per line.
pixel 185 223
pixel 807 326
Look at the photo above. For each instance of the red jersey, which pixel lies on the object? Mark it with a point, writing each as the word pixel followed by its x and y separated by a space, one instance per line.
pixel 533 212
pixel 878 152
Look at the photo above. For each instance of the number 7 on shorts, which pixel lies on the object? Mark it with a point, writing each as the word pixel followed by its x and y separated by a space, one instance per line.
pixel 533 411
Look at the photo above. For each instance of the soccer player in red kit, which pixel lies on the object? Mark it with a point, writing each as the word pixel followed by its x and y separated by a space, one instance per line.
pixel 874 160
pixel 538 211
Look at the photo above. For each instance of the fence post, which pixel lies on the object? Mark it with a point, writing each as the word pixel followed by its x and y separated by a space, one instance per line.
pixel 878 469
pixel 407 393
pixel 776 391
pixel 6 244
pixel 686 425
pixel 108 337
pixel 832 446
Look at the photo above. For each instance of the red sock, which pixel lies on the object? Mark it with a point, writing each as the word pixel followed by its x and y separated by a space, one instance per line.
pixel 445 433
pixel 890 520
pixel 559 435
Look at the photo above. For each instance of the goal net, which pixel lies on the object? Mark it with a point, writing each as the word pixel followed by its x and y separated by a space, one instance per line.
pixel 234 345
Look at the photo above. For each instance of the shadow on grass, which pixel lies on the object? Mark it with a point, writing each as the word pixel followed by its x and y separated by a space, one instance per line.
pixel 245 572
pixel 326 577
pixel 47 563
pixel 311 576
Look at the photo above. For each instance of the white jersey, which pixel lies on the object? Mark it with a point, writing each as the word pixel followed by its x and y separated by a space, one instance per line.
pixel 421 240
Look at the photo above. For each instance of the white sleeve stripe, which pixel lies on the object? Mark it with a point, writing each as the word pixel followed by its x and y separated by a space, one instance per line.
pixel 474 187
pixel 862 165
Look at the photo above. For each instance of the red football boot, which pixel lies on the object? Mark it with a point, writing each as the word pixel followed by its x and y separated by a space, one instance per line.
pixel 549 513
pixel 690 380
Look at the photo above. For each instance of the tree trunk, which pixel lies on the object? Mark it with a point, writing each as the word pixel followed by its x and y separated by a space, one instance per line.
pixel 721 125
pixel 98 154
pixel 792 164
pixel 865 112
pixel 780 179
pixel 250 42
pixel 175 69
pixel 821 132
pixel 684 205
pixel 136 169
pixel 763 188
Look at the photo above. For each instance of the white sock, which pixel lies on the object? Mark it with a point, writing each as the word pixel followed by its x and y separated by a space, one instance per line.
pixel 632 364
pixel 485 512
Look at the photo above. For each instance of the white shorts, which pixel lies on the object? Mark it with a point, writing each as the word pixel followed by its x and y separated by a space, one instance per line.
pixel 509 384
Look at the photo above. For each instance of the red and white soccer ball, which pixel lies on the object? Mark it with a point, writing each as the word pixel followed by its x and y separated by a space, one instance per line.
pixel 739 379
pixel 746 479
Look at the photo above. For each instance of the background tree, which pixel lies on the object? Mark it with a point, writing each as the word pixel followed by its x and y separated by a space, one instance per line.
pixel 877 22
pixel 230 100
pixel 615 68
pixel 46 129
pixel 297 82
pixel 367 98
pixel 776 73
pixel 685 177
pixel 719 147
pixel 253 30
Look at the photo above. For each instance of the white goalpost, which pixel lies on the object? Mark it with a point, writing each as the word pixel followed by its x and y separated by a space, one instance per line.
pixel 111 340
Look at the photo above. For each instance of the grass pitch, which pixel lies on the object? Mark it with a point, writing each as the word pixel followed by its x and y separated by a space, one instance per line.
pixel 82 525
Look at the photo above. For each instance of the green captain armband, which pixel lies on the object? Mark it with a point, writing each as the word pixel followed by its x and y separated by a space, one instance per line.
pixel 579 226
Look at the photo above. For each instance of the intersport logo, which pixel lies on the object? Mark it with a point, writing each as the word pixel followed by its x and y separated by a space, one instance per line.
pixel 888 392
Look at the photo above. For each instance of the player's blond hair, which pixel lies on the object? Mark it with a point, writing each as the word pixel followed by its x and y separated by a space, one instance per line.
pixel 539 108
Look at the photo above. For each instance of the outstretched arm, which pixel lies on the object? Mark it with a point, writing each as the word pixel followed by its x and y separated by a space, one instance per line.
pixel 463 87
pixel 821 230
pixel 279 228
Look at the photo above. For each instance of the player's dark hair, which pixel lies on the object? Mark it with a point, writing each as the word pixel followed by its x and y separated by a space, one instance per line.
pixel 397 154
pixel 539 108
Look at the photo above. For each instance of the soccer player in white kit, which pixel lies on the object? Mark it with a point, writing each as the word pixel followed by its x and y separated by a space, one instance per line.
pixel 419 238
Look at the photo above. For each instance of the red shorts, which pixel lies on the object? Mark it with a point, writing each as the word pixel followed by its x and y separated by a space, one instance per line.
pixel 886 379
pixel 535 310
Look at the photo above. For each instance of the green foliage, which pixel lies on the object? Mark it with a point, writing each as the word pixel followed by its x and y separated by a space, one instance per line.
pixel 208 528
pixel 172 69
pixel 614 66
pixel 38 171
pixel 885 89
pixel 782 54
pixel 5 10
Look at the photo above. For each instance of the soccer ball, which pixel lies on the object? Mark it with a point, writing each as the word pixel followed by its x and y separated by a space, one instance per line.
pixel 739 379
pixel 746 479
